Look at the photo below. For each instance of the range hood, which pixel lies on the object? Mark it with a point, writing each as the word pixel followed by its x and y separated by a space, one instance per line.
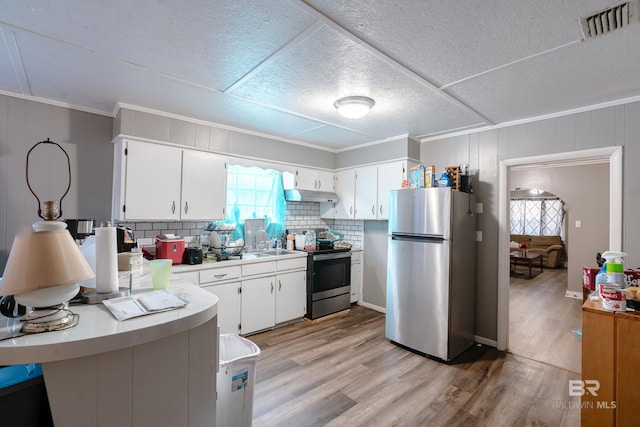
pixel 310 196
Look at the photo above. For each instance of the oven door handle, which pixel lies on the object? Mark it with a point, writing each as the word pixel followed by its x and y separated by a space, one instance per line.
pixel 334 255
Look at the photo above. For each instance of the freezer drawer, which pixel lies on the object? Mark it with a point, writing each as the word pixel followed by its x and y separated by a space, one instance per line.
pixel 418 294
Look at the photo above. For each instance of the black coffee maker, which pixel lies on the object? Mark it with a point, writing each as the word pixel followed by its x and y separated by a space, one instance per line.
pixel 125 239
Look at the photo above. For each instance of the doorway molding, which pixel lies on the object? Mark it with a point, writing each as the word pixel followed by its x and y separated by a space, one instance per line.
pixel 610 155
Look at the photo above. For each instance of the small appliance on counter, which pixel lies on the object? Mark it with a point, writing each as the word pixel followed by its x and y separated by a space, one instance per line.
pixel 80 229
pixel 192 256
pixel 125 239
pixel 170 246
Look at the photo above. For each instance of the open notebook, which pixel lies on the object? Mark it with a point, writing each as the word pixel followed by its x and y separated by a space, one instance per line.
pixel 124 308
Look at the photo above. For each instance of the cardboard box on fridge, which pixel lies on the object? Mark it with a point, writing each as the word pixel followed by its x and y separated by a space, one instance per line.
pixel 422 176
pixel 631 277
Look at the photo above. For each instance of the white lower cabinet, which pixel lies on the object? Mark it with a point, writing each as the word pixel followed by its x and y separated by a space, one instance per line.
pixel 228 306
pixel 258 304
pixel 356 276
pixel 291 298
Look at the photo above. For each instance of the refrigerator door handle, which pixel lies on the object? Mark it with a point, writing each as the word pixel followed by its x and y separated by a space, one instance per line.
pixel 417 238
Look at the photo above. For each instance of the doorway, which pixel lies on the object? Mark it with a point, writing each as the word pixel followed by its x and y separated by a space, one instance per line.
pixel 610 155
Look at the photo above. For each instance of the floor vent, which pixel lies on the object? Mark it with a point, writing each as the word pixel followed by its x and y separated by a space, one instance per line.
pixel 611 19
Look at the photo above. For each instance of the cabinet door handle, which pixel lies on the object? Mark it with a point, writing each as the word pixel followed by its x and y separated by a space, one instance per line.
pixel 271 287
pixel 173 207
pixel 279 285
pixel 380 209
pixel 220 276
pixel 319 184
pixel 186 207
pixel 351 210
pixel 373 210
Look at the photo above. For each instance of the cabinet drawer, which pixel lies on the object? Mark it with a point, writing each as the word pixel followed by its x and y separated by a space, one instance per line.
pixel 292 264
pixel 258 268
pixel 219 274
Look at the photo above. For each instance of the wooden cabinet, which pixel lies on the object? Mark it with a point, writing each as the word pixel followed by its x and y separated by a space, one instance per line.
pixel 158 182
pixel 366 192
pixel 356 276
pixel 610 357
pixel 346 191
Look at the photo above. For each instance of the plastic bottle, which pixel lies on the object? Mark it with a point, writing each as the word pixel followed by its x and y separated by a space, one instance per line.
pixel 290 245
pixel 444 180
pixel 615 268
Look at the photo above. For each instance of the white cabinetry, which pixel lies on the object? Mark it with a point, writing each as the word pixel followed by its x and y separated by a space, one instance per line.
pixel 390 176
pixel 291 296
pixel 363 192
pixel 204 186
pixel 309 179
pixel 228 306
pixel 258 304
pixel 159 182
pixel 356 276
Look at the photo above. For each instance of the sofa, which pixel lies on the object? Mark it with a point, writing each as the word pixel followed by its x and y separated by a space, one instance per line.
pixel 550 247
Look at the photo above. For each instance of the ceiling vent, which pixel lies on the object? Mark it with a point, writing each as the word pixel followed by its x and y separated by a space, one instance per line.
pixel 611 19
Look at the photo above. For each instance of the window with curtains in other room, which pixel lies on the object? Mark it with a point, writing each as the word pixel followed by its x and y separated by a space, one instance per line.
pixel 537 217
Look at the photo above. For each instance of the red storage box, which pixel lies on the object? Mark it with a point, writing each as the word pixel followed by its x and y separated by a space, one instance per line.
pixel 170 248
pixel 631 277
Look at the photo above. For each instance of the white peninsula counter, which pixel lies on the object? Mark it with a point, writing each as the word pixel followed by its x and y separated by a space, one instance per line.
pixel 158 369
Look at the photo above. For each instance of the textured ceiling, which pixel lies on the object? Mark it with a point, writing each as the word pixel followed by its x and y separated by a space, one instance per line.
pixel 277 67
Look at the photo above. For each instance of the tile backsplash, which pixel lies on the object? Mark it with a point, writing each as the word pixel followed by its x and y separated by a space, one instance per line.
pixel 299 216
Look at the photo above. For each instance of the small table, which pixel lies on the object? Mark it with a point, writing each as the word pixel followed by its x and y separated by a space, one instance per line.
pixel 528 258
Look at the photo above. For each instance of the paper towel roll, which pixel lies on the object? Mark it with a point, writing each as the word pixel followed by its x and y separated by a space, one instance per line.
pixel 106 260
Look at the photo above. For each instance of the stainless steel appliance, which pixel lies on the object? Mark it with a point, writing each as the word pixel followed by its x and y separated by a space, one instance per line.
pixel 431 268
pixel 328 281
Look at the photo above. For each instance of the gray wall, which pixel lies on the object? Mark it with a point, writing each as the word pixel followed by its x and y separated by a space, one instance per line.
pixel 160 128
pixel 611 126
pixel 396 149
pixel 86 138
pixel 585 191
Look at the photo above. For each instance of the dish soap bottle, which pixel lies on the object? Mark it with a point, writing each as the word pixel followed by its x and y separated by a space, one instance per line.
pixel 444 180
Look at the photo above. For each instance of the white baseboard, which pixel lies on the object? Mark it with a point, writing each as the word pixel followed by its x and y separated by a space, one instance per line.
pixel 486 341
pixel 372 307
pixel 573 294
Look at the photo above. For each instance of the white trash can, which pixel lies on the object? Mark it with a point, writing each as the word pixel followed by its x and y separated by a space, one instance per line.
pixel 236 381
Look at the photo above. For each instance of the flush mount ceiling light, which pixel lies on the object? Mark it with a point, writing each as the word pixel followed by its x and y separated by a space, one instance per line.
pixel 354 107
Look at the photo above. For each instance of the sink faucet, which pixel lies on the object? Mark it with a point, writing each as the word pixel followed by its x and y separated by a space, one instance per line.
pixel 261 240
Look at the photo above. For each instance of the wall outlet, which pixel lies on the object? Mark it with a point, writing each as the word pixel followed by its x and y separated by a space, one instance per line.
pixel 578 224
pixel 479 208
pixel 478 236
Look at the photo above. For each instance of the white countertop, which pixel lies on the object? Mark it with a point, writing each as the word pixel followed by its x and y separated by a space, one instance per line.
pixel 182 268
pixel 98 331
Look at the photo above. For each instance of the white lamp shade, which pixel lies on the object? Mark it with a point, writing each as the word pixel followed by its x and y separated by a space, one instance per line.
pixel 43 259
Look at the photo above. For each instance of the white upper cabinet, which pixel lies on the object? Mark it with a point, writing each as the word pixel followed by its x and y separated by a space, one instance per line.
pixel 366 192
pixel 158 182
pixel 346 191
pixel 311 179
pixel 363 192
pixel 204 186
pixel 390 176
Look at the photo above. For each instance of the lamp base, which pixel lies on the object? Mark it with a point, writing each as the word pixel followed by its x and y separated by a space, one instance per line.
pixel 48 319
pixel 94 297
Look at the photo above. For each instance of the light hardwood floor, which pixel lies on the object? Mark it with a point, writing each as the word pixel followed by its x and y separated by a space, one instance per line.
pixel 542 318
pixel 344 372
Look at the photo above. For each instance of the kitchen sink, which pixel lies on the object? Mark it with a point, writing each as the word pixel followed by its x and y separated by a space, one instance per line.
pixel 267 253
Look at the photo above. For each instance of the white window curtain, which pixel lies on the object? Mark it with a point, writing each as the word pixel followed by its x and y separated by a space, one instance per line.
pixel 537 217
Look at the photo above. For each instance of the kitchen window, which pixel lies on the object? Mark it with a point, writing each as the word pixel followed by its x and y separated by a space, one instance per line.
pixel 253 192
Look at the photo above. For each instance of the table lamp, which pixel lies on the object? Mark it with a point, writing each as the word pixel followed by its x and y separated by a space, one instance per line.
pixel 44 268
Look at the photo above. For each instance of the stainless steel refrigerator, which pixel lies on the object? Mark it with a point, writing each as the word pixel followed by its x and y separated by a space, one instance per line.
pixel 431 271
